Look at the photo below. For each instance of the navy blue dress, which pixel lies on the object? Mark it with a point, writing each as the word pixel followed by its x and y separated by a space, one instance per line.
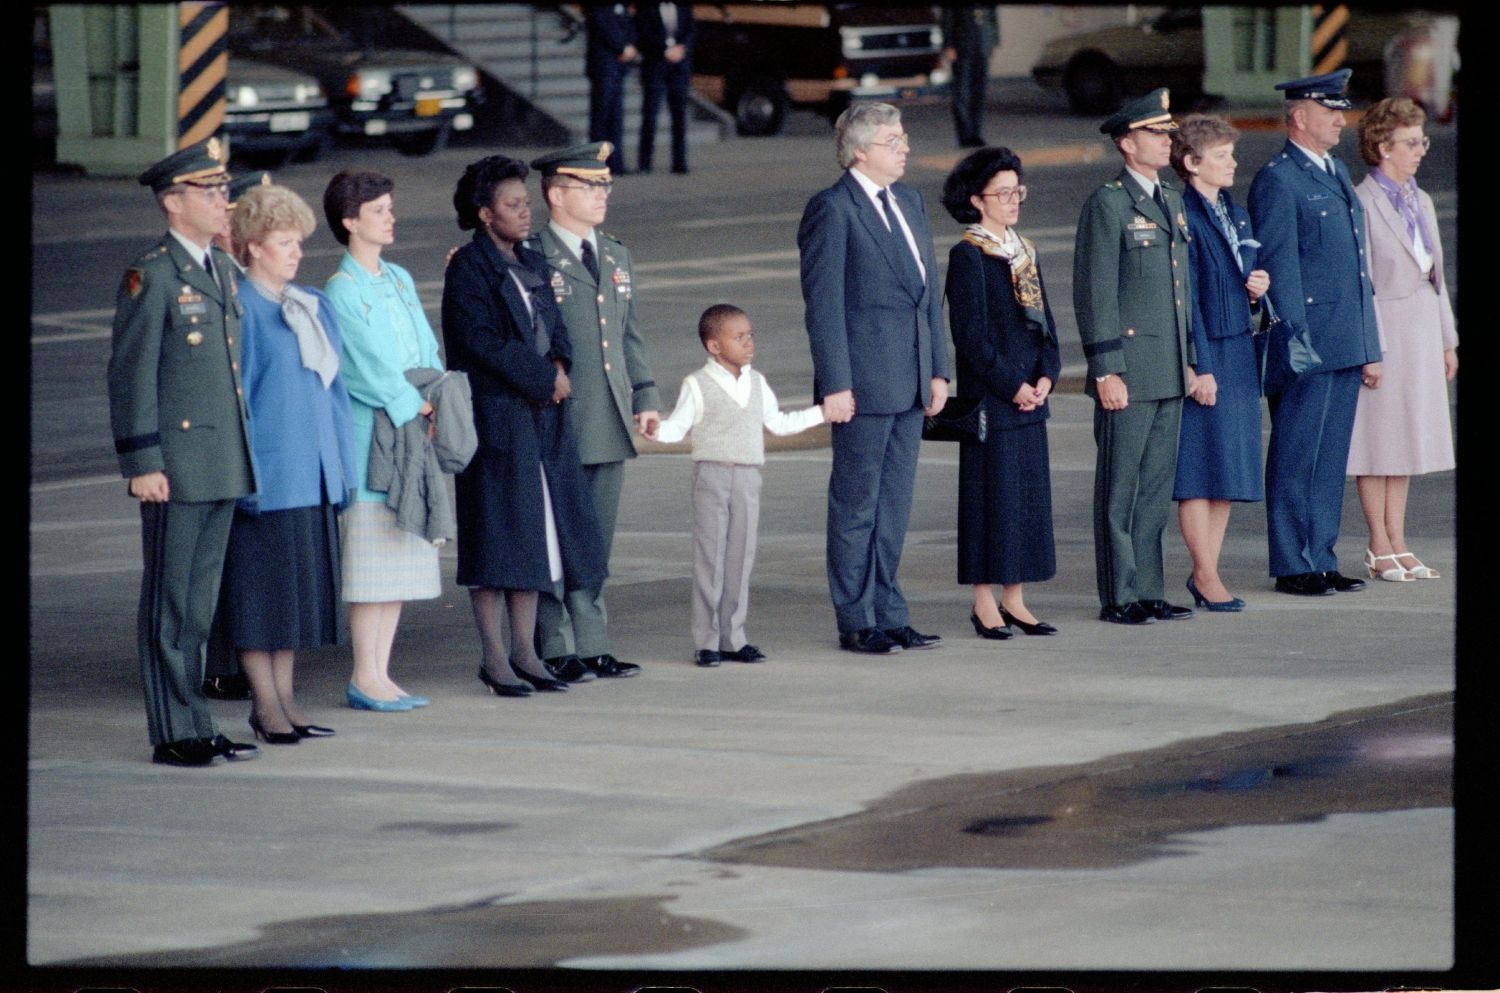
pixel 1218 450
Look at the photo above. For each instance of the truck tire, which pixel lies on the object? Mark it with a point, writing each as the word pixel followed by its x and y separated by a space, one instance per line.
pixel 759 107
pixel 1093 84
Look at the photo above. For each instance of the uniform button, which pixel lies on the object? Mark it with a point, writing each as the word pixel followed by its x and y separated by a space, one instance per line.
pixel 186 425
pixel 193 319
pixel 601 298
pixel 229 340
pixel 1179 301
pixel 1130 332
pixel 606 367
pixel 235 366
pixel 1176 282
pixel 604 344
pixel 1309 299
pixel 602 322
pixel 1361 274
pixel 1174 263
pixel 238 391
pixel 1322 213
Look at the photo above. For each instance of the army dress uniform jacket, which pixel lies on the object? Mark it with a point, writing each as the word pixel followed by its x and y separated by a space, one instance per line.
pixel 1128 255
pixel 611 378
pixel 175 399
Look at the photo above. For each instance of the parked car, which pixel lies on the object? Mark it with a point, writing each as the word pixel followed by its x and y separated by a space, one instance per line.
pixel 415 98
pixel 758 59
pixel 1099 69
pixel 271 110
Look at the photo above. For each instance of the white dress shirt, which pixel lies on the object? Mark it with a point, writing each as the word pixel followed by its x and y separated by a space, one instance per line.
pixel 872 190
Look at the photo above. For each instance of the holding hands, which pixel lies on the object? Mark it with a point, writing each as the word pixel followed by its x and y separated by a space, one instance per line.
pixel 838 408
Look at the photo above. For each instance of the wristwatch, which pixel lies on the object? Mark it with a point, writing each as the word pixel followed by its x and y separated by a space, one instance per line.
pixel 1100 379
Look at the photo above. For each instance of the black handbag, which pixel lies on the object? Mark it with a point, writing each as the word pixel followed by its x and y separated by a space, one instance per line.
pixel 1283 352
pixel 961 419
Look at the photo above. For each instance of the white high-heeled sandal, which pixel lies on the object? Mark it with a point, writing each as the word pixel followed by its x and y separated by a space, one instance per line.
pixel 1396 574
pixel 1418 571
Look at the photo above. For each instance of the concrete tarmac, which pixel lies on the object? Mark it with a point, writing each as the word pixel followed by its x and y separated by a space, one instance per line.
pixel 1263 791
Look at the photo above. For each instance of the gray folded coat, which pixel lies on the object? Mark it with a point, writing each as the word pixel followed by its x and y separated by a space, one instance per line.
pixel 407 466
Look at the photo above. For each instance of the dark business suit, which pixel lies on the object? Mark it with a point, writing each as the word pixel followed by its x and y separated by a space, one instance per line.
pixel 873 325
pixel 972 31
pixel 661 78
pixel 1131 293
pixel 1311 227
pixel 610 29
pixel 176 407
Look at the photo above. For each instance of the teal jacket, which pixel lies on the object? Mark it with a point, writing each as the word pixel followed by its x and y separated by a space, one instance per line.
pixel 379 347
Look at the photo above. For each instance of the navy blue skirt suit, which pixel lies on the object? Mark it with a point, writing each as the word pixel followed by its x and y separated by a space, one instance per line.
pixel 1004 484
pixel 489 334
pixel 1218 449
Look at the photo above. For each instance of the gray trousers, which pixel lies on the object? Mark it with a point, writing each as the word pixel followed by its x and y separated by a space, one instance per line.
pixel 182 547
pixel 726 513
pixel 1133 476
pixel 574 622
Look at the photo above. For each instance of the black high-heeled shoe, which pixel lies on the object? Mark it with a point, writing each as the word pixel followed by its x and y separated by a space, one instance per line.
pixel 993 634
pixel 1040 627
pixel 312 731
pixel 545 684
pixel 272 737
pixel 503 689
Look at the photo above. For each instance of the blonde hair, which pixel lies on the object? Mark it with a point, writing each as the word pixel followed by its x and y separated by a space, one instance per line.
pixel 263 209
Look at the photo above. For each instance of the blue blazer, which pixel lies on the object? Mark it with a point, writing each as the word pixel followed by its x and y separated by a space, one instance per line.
pixel 1221 307
pixel 1311 228
pixel 873 330
pixel 651 33
pixel 301 438
pixel 609 28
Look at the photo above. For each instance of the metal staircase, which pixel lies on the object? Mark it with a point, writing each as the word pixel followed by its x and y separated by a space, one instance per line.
pixel 537 51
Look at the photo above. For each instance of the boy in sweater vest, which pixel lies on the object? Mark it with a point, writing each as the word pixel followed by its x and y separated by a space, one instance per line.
pixel 726 405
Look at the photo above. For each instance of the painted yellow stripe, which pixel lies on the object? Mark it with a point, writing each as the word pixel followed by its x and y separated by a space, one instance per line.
pixel 187 11
pixel 194 47
pixel 1329 26
pixel 1335 58
pixel 200 88
pixel 207 126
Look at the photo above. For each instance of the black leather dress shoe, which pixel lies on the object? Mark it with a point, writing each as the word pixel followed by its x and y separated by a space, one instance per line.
pixel 187 752
pixel 706 658
pixel 569 668
pixel 609 667
pixel 1164 611
pixel 234 751
pixel 1304 584
pixel 1340 583
pixel 870 641
pixel 1128 613
pixel 909 637
pixel 234 687
pixel 745 653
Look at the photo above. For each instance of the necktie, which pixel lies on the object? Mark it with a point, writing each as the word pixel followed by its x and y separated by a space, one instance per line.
pixel 589 262
pixel 899 238
pixel 208 265
pixel 1229 232
pixel 1161 201
pixel 1328 166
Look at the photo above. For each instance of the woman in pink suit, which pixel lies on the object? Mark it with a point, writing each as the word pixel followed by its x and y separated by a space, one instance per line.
pixel 1402 429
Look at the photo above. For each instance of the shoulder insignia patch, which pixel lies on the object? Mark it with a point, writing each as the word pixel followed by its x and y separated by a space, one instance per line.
pixel 135 281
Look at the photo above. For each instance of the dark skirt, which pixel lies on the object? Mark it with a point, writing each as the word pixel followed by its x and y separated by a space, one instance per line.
pixel 281 579
pixel 1218 448
pixel 1005 508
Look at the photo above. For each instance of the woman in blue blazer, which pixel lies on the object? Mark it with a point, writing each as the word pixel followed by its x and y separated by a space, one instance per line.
pixel 281 573
pixel 1218 452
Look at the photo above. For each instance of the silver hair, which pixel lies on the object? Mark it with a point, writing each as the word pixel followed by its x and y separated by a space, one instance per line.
pixel 856 127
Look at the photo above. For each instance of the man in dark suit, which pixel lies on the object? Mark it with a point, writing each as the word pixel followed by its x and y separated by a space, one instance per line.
pixel 970 34
pixel 664 34
pixel 1311 229
pixel 874 317
pixel 611 51
pixel 1130 293
pixel 179 424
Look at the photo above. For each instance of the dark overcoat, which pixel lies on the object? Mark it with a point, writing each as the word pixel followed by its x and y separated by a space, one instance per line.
pixel 487 332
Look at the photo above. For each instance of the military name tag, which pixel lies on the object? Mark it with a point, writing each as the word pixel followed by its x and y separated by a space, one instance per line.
pixel 191 303
pixel 1144 236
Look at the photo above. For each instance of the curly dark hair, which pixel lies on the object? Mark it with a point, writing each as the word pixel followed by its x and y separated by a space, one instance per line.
pixel 476 187
pixel 347 192
pixel 971 176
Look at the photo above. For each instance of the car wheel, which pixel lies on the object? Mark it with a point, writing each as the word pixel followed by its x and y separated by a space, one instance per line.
pixel 424 142
pixel 1093 84
pixel 760 107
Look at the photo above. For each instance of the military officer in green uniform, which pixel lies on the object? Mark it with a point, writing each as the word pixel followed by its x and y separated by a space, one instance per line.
pixel 1130 293
pixel 179 423
pixel 613 388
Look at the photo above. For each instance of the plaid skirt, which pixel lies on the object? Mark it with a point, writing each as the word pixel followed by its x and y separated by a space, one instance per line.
pixel 383 563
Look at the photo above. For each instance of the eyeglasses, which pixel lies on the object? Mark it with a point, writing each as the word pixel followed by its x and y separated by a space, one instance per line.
pixel 604 188
pixel 1016 194
pixel 1412 144
pixel 211 192
pixel 898 143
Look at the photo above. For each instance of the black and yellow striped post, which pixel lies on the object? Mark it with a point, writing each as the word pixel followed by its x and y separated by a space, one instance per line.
pixel 202 63
pixel 1329 44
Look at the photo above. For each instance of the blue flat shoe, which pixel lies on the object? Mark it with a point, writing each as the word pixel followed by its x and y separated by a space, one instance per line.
pixel 359 701
pixel 416 701
pixel 1230 606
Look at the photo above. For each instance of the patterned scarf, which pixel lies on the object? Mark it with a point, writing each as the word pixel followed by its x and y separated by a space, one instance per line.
pixel 1404 198
pixel 1025 277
